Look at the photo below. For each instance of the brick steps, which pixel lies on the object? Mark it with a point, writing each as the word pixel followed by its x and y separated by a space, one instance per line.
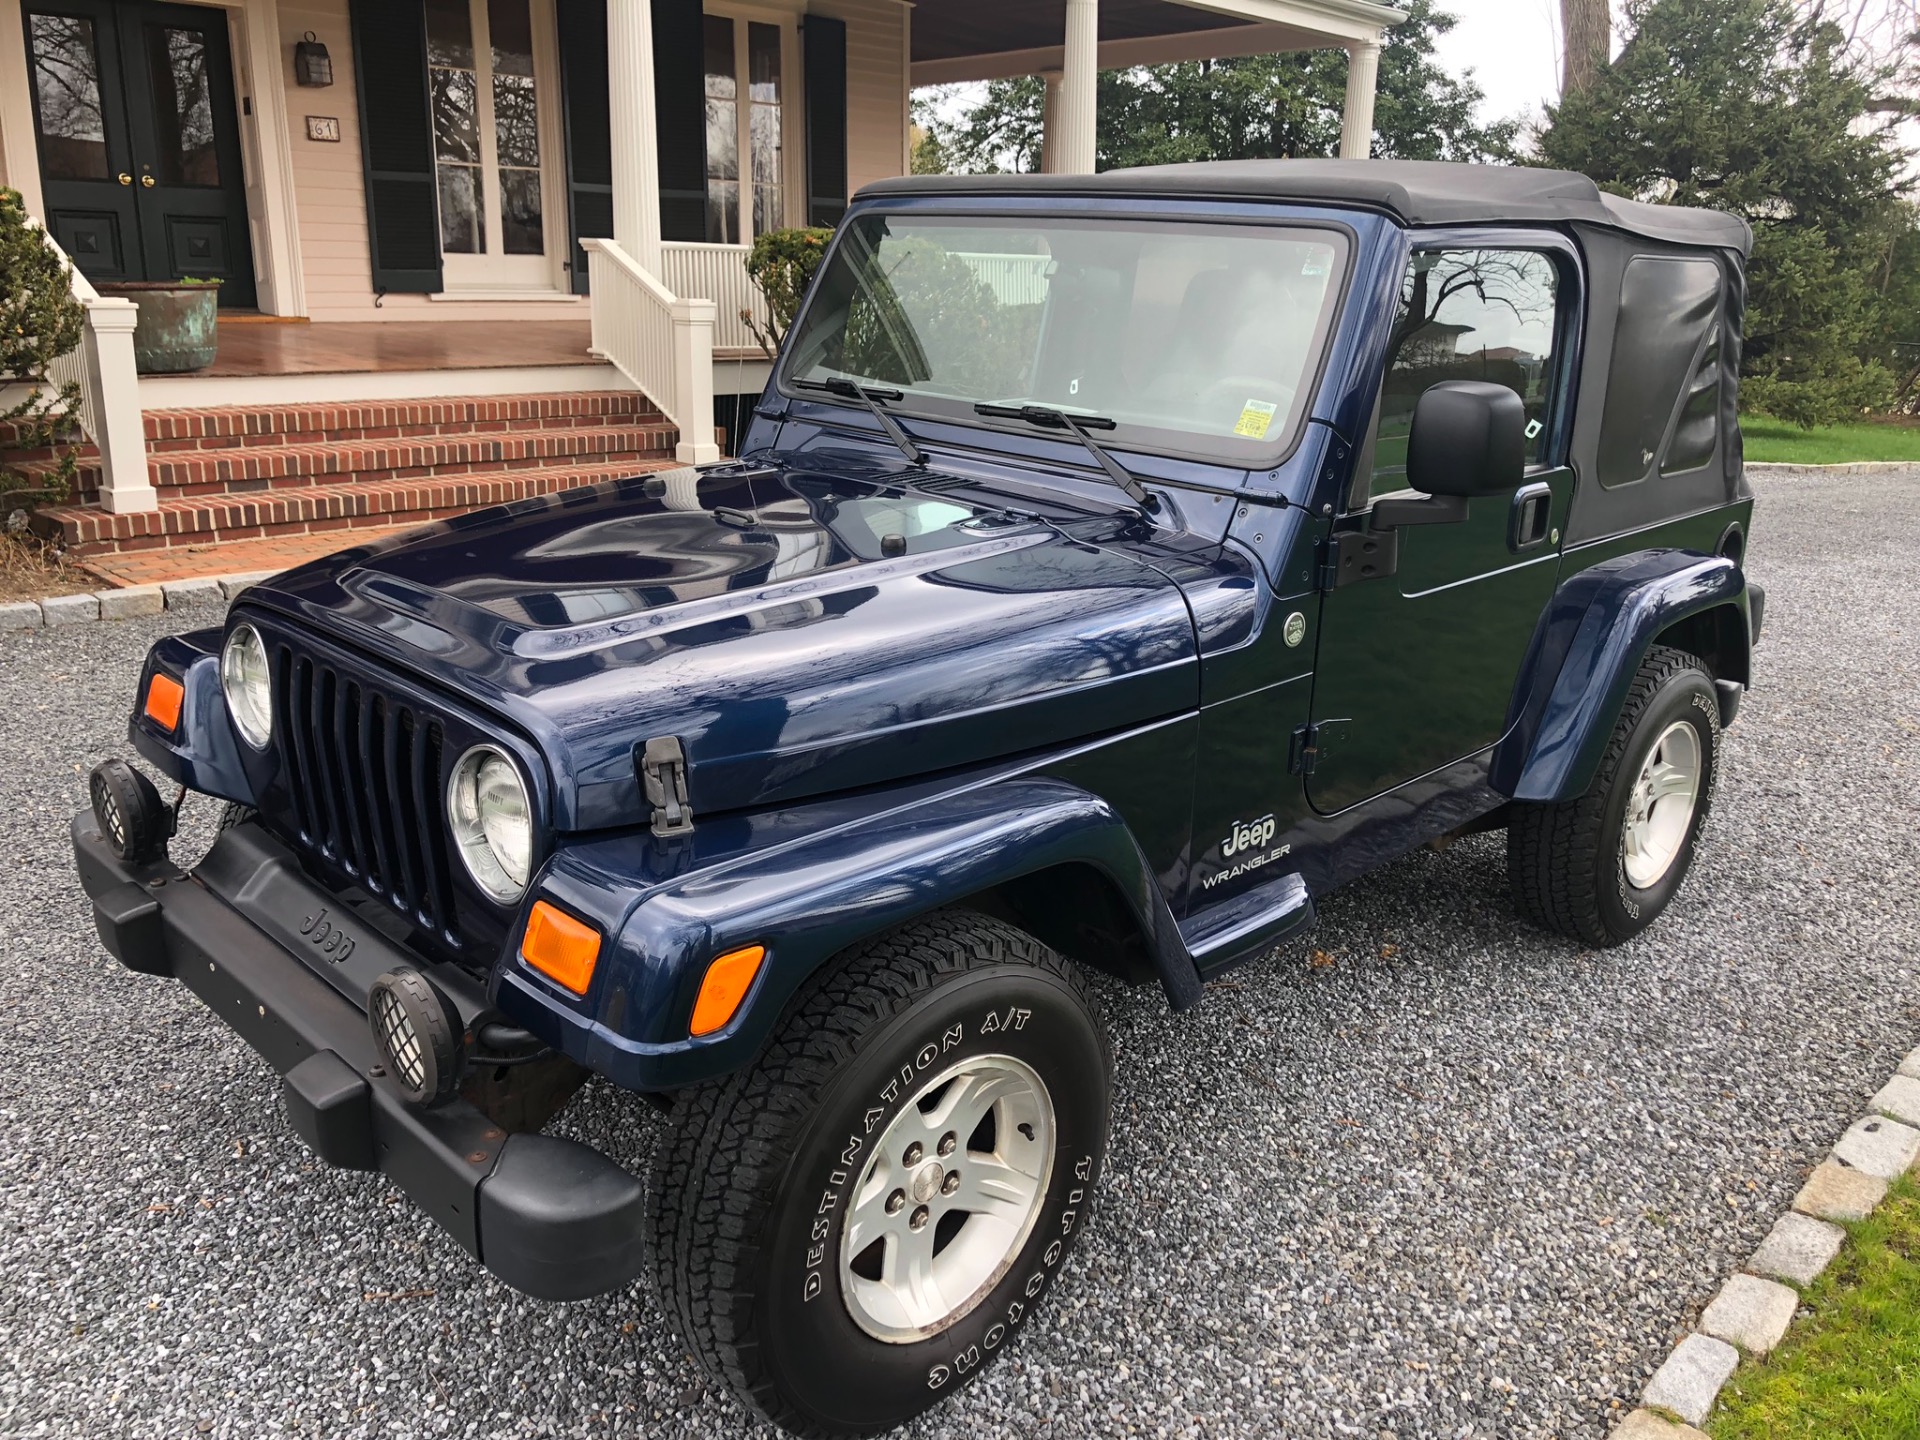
pixel 261 472
pixel 199 519
pixel 232 426
pixel 260 467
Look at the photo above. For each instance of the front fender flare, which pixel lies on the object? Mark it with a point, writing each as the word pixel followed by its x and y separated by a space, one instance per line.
pixel 1590 642
pixel 809 899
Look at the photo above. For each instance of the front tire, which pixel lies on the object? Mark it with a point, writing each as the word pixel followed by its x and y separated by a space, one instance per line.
pixel 1602 868
pixel 853 1227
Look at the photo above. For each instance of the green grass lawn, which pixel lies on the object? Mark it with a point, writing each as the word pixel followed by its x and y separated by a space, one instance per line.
pixel 1849 1369
pixel 1775 440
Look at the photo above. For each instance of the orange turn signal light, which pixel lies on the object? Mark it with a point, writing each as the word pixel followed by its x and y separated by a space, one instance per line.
pixel 165 695
pixel 560 947
pixel 728 979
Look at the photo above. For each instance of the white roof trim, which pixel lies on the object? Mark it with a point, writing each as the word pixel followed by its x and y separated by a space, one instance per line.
pixel 1275 26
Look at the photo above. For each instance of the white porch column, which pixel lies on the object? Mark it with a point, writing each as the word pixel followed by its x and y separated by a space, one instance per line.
pixel 693 380
pixel 113 398
pixel 1073 149
pixel 1363 79
pixel 636 146
pixel 1050 124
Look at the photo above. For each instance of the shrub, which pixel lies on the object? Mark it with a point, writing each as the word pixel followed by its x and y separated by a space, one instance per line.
pixel 781 265
pixel 39 322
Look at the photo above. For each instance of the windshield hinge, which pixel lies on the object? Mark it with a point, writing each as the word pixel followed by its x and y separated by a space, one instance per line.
pixel 663 773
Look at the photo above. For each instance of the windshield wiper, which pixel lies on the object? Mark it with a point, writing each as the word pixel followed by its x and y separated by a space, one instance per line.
pixel 870 396
pixel 1047 418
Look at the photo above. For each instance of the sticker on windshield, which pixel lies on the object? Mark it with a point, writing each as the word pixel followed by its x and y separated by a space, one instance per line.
pixel 1256 418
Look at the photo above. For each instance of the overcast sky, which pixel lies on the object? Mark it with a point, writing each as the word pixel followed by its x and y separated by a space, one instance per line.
pixel 1513 49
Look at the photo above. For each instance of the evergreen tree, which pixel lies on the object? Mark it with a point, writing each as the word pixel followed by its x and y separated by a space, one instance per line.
pixel 1749 106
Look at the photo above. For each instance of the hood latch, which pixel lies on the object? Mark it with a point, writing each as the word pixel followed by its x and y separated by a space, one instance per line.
pixel 663 772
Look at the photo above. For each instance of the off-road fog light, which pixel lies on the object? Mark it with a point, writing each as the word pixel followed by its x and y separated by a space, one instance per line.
pixel 249 689
pixel 413 1025
pixel 130 813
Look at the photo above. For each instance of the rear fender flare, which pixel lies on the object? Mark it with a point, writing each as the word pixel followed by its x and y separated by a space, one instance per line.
pixel 1586 649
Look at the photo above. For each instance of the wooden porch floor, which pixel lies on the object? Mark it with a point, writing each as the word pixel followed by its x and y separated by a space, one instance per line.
pixel 353 348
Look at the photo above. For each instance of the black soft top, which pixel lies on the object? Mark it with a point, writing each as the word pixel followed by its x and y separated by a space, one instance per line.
pixel 1416 192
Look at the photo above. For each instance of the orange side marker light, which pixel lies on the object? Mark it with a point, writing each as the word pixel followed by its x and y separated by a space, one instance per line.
pixel 165 695
pixel 560 947
pixel 728 979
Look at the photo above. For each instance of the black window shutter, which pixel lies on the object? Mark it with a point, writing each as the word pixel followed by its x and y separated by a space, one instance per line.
pixel 583 77
pixel 680 117
pixel 396 144
pixel 826 65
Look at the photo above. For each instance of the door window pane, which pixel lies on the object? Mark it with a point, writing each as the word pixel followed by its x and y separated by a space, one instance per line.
pixel 1468 315
pixel 723 134
pixel 66 82
pixel 763 81
pixel 453 88
pixel 183 110
pixel 516 127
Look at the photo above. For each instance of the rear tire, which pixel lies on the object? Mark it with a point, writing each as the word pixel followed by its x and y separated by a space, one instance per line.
pixel 839 1287
pixel 1602 868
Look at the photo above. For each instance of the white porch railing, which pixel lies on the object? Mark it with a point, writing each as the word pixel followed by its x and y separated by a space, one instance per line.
pixel 109 410
pixel 1014 279
pixel 660 342
pixel 720 273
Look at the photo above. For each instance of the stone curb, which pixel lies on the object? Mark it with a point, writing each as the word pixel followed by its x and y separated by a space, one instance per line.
pixel 126 603
pixel 1751 1312
pixel 1846 467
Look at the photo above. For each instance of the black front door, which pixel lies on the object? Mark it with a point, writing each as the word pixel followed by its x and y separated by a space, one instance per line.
pixel 139 144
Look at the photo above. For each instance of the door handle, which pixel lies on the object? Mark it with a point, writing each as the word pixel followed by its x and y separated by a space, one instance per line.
pixel 125 178
pixel 1532 511
pixel 147 181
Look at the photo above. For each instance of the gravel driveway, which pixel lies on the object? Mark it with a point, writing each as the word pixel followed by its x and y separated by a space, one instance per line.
pixel 1430 1173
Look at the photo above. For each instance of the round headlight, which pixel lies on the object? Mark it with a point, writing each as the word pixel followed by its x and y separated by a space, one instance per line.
pixel 249 691
pixel 492 822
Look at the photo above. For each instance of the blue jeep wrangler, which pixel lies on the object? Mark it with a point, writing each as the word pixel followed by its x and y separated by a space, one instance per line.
pixel 1113 565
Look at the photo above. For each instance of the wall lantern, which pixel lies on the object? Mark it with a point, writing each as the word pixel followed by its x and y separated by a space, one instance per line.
pixel 311 63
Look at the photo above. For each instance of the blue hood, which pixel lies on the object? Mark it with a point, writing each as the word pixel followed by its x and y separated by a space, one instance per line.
pixel 800 630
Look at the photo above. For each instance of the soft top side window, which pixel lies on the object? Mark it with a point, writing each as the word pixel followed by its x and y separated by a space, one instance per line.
pixel 1663 388
pixel 1468 314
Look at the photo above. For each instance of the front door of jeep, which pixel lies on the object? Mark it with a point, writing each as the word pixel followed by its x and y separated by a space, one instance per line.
pixel 1416 666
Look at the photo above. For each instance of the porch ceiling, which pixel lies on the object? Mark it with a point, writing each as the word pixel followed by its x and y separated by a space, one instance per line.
pixel 989 39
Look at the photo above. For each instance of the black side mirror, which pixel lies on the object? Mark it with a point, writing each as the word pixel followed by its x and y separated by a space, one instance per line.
pixel 1469 438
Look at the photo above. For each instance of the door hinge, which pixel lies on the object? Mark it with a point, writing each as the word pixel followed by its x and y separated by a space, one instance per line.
pixel 1304 753
pixel 663 772
pixel 1358 555
pixel 1313 745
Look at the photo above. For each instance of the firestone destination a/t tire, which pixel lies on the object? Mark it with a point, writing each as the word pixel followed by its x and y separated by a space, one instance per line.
pixel 1602 868
pixel 854 1227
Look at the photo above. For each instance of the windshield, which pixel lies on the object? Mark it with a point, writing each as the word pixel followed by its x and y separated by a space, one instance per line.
pixel 1191 338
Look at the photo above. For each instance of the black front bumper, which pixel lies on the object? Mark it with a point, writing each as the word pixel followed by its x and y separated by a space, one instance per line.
pixel 551 1217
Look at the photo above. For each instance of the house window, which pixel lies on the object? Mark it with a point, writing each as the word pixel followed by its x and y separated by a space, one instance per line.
pixel 488 87
pixel 744 199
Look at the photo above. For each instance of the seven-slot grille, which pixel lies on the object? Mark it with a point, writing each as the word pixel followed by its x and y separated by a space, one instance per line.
pixel 365 771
